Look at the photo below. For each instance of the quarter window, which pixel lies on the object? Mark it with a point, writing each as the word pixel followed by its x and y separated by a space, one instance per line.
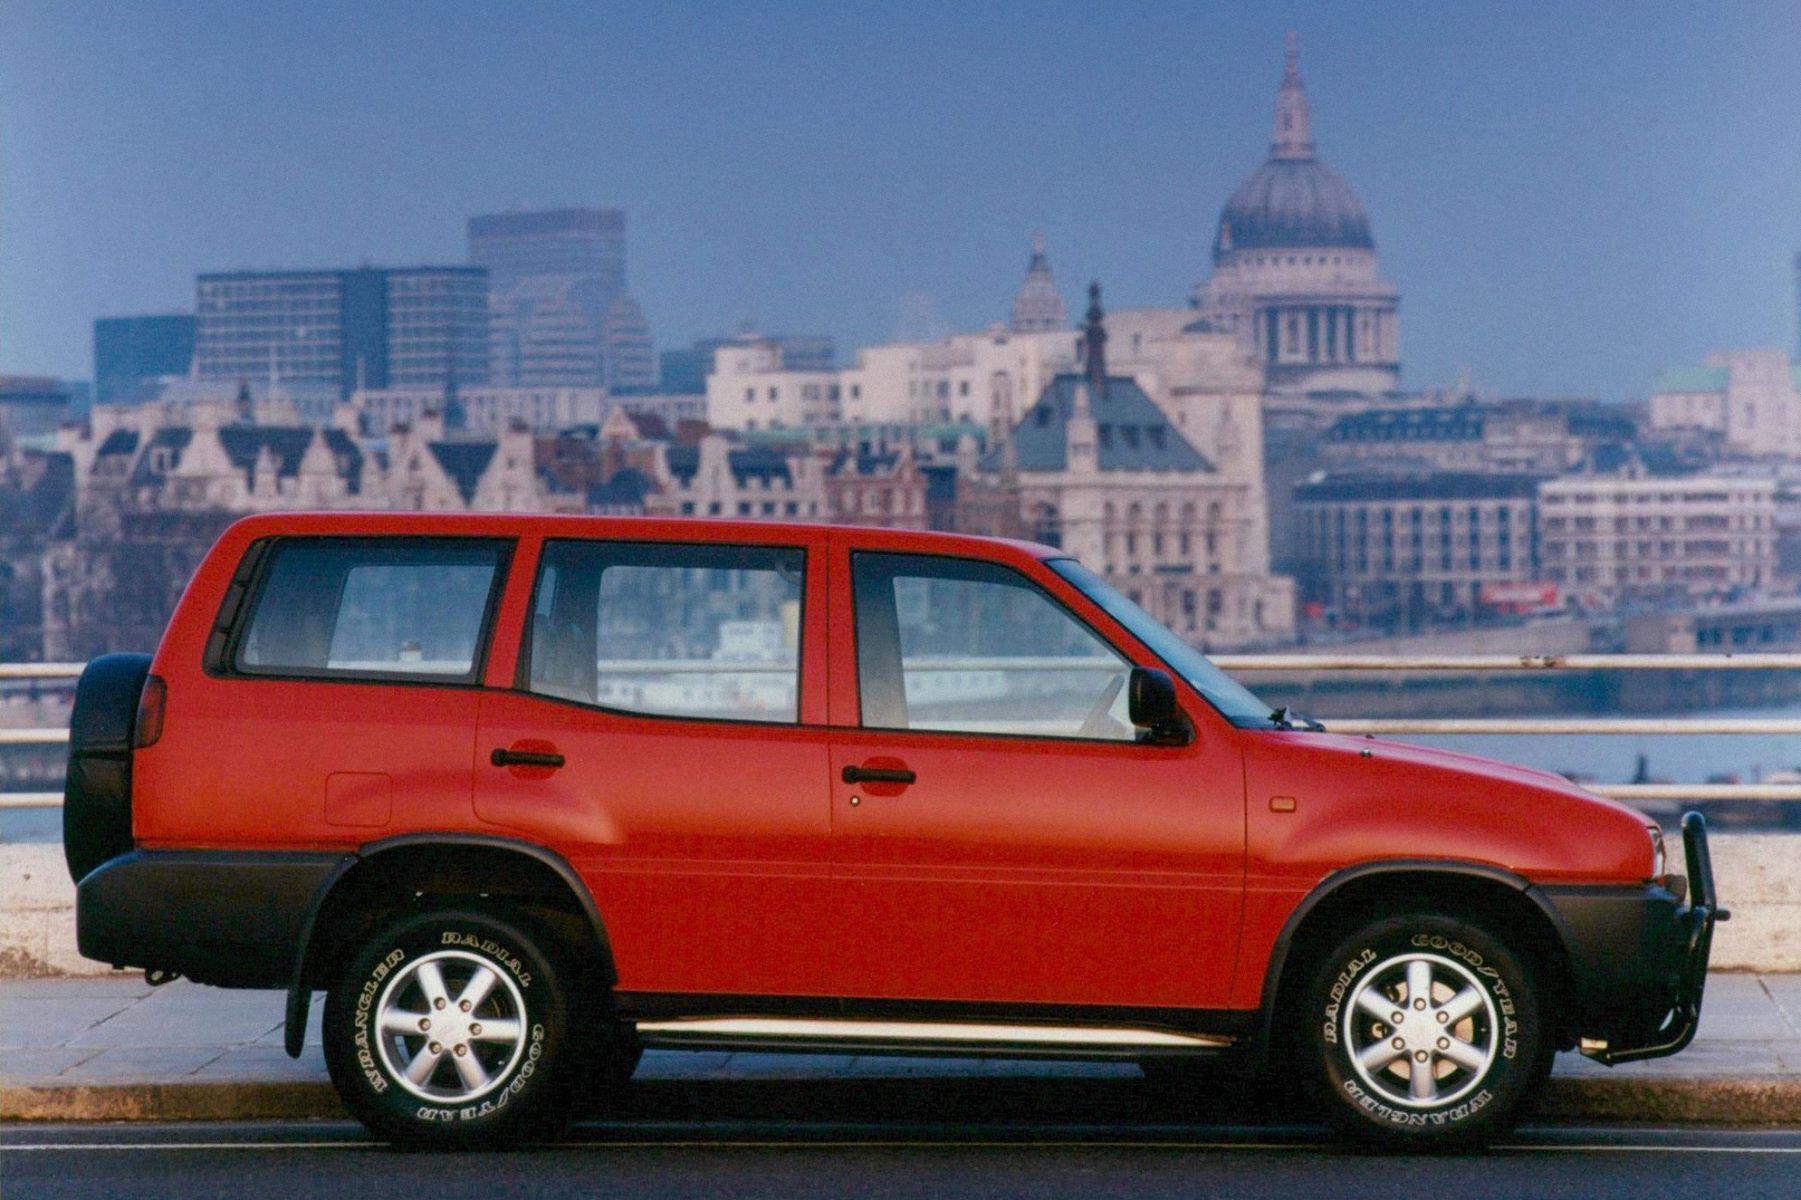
pixel 670 630
pixel 380 607
pixel 968 647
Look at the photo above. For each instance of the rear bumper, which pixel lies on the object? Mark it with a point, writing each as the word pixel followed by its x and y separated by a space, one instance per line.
pixel 1638 957
pixel 230 918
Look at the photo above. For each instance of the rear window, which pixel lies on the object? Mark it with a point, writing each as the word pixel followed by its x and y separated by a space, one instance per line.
pixel 373 607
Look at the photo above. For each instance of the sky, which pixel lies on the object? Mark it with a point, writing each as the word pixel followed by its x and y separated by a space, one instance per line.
pixel 1570 196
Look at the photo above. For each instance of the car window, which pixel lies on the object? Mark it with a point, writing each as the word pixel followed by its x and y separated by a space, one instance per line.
pixel 669 629
pixel 961 646
pixel 377 607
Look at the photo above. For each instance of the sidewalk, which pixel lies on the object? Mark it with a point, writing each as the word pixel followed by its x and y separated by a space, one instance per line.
pixel 112 1048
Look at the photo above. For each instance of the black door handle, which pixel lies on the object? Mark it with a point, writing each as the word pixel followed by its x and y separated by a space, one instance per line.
pixel 878 775
pixel 524 758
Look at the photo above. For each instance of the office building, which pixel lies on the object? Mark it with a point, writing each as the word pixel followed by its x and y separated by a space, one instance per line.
pixel 367 327
pixel 561 314
pixel 132 353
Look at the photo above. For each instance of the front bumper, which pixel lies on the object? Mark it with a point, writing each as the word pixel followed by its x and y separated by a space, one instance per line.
pixel 1638 957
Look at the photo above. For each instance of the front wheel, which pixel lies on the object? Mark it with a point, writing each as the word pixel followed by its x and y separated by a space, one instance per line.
pixel 1423 1031
pixel 448 1030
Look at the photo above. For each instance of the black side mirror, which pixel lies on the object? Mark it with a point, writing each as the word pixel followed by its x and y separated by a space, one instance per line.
pixel 1151 704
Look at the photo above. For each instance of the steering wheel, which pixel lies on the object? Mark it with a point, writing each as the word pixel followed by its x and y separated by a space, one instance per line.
pixel 1099 724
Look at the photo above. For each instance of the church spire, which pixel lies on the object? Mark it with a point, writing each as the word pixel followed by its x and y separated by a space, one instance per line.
pixel 1293 134
pixel 1094 343
pixel 1038 306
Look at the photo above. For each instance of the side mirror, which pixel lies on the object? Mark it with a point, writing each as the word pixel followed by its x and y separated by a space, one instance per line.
pixel 1151 704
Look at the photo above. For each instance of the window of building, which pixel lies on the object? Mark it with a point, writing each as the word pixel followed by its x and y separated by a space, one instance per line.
pixel 373 607
pixel 969 647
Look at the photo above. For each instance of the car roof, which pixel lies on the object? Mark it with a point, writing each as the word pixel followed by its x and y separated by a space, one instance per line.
pixel 675 529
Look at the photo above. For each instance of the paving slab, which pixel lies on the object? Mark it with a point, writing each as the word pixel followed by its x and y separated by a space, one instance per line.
pixel 44 1021
pixel 188 1015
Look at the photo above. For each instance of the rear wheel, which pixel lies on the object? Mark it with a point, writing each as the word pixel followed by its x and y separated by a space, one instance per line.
pixel 1422 1030
pixel 449 1029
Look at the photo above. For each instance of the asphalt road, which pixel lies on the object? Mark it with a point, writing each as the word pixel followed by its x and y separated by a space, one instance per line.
pixel 650 1159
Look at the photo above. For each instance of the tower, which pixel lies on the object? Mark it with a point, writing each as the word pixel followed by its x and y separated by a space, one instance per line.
pixel 1038 306
pixel 1294 271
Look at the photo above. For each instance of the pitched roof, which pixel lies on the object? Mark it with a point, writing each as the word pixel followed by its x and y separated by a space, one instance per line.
pixel 464 462
pixel 1132 433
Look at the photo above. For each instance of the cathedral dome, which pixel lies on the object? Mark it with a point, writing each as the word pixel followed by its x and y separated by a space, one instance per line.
pixel 1293 202
pixel 1293 199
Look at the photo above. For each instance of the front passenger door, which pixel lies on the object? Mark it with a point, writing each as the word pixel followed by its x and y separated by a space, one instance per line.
pixel 1003 836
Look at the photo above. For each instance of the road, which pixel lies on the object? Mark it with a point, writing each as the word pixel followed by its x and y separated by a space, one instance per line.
pixel 899 1138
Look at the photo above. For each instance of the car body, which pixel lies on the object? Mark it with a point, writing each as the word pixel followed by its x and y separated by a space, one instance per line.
pixel 811 787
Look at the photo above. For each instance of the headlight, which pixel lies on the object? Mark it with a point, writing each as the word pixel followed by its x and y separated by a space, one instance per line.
pixel 1657 859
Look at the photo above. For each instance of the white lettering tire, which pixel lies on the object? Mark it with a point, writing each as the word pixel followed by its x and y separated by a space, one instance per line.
pixel 1422 1031
pixel 448 1030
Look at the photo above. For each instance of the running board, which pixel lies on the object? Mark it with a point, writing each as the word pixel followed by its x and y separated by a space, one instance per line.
pixel 925 1037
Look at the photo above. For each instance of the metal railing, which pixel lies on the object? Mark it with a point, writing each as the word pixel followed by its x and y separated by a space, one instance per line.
pixel 1336 663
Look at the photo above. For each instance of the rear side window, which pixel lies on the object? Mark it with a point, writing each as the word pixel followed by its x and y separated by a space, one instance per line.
pixel 668 629
pixel 373 607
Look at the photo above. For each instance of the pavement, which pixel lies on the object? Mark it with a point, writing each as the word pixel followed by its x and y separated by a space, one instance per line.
pixel 111 1048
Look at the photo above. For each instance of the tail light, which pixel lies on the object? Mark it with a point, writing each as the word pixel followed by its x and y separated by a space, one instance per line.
pixel 151 702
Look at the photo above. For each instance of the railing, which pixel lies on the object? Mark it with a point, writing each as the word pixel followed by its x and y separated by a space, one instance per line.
pixel 1335 663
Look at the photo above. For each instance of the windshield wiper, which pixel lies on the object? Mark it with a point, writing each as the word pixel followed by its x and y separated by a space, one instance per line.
pixel 1287 718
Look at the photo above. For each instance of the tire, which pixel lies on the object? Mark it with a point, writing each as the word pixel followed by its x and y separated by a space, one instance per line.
pixel 495 1074
pixel 1463 1059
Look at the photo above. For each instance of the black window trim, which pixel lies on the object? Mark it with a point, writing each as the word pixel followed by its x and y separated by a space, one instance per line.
pixel 1025 581
pixel 522 668
pixel 266 550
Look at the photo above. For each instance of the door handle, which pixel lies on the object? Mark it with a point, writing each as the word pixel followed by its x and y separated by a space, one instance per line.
pixel 878 775
pixel 525 758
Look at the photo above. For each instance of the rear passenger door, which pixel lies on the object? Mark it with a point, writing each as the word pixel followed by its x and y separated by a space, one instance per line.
pixel 666 736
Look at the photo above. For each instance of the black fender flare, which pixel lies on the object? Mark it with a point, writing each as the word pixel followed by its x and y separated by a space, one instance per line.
pixel 1337 880
pixel 300 995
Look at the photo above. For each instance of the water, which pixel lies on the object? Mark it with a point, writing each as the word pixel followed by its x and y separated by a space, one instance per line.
pixel 1613 758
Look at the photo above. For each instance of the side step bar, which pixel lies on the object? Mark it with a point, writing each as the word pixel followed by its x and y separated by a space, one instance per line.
pixel 924 1037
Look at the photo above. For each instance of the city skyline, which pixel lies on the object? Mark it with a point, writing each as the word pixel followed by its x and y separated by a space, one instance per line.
pixel 1569 202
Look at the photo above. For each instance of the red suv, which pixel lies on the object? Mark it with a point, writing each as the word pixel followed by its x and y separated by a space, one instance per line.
pixel 524 795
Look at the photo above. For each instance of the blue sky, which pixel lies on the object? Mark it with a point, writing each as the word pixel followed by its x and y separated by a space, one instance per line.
pixel 1569 195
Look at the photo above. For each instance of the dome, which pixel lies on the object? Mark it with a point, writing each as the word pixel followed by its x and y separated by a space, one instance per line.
pixel 1293 199
pixel 1292 202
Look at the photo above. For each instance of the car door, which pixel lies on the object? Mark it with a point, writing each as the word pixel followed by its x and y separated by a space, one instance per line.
pixel 1002 834
pixel 664 737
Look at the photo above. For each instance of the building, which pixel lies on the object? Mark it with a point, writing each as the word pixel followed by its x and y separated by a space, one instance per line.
pixel 1160 498
pixel 583 243
pixel 562 316
pixel 481 409
pixel 132 353
pixel 1038 305
pixel 543 334
pixel 962 378
pixel 627 353
pixel 1751 399
pixel 32 406
pixel 713 478
pixel 1611 538
pixel 367 327
pixel 1509 437
pixel 1295 275
pixel 1401 552
pixel 686 370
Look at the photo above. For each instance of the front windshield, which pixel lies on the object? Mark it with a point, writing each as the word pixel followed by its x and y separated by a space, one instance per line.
pixel 1234 701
